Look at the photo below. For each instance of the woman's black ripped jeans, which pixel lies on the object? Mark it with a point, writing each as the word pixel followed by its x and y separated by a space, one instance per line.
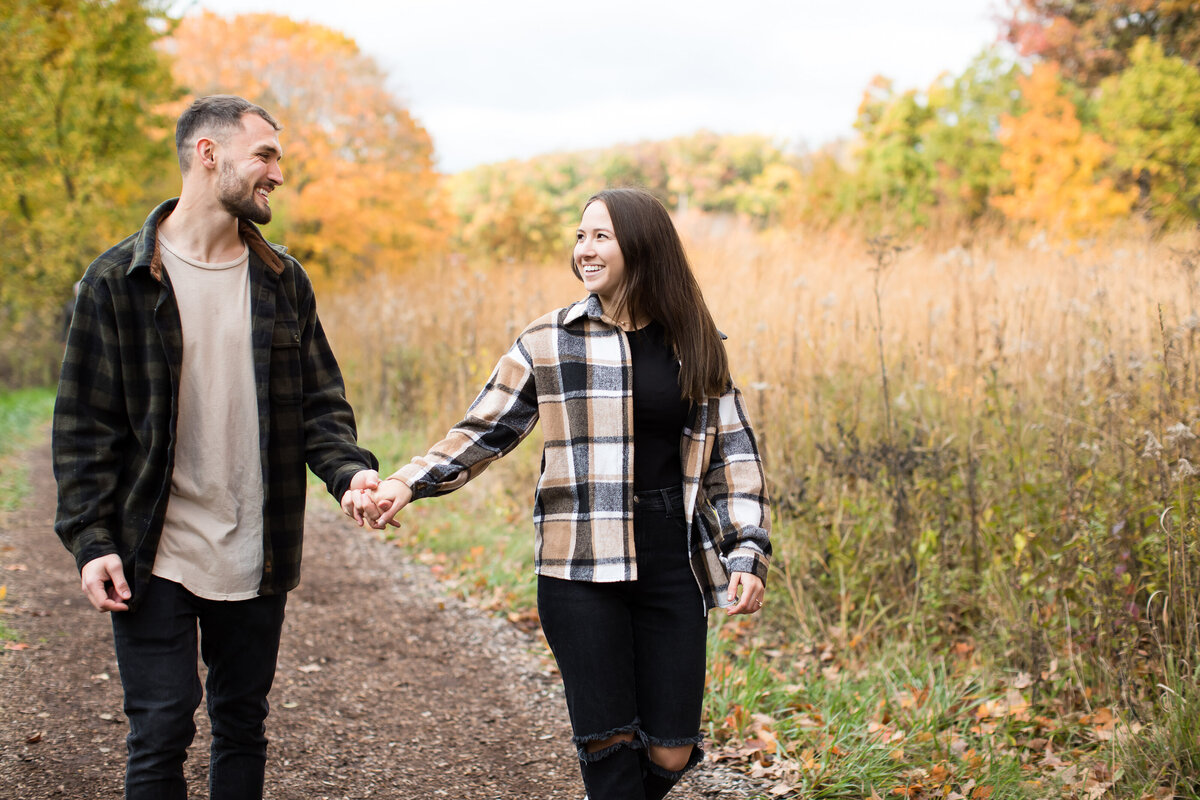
pixel 631 656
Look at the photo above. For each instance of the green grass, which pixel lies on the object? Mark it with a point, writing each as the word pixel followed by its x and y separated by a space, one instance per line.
pixel 899 724
pixel 7 634
pixel 23 417
pixel 1165 752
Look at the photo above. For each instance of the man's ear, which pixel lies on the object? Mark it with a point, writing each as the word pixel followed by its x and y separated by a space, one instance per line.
pixel 205 153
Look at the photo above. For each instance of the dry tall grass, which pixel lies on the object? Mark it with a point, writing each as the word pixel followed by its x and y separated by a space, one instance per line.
pixel 1042 400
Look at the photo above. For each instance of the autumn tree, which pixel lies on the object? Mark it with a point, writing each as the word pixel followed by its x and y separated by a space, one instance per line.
pixel 932 155
pixel 360 196
pixel 1150 112
pixel 892 176
pixel 1056 168
pixel 1092 39
pixel 83 157
pixel 960 140
pixel 505 218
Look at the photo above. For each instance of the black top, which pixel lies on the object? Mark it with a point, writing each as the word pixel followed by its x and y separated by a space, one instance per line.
pixel 659 411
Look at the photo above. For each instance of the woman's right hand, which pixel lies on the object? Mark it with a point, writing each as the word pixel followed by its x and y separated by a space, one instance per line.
pixel 388 498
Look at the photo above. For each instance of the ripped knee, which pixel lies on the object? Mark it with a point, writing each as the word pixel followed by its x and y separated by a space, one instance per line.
pixel 594 747
pixel 671 759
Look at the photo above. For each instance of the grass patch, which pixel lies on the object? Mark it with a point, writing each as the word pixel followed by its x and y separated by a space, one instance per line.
pixel 7 634
pixel 23 416
pixel 897 724
pixel 1166 752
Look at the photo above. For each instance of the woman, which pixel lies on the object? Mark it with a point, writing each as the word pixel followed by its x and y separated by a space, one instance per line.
pixel 651 506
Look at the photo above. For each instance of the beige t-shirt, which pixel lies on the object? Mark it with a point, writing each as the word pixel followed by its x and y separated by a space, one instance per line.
pixel 212 537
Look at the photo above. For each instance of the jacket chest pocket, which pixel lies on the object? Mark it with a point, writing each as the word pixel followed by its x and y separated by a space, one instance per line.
pixel 287 381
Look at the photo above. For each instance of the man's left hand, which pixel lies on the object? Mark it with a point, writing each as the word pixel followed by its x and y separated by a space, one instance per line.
pixel 367 479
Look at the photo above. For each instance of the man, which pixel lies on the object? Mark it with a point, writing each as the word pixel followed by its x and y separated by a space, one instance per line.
pixel 196 385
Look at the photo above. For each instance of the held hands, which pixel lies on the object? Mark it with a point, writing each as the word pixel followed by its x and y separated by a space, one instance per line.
pixel 753 593
pixel 372 502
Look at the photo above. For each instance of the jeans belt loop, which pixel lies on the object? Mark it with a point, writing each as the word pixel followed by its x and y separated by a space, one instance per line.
pixel 666 498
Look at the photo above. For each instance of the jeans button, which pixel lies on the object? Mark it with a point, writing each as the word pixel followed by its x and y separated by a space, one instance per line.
pixel 636 500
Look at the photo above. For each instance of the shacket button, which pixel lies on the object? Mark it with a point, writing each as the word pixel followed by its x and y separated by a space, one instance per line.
pixel 635 500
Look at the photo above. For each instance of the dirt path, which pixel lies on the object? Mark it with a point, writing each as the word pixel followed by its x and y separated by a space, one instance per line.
pixel 385 687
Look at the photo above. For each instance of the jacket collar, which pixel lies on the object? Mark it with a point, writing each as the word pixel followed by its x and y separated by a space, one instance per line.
pixel 588 307
pixel 146 253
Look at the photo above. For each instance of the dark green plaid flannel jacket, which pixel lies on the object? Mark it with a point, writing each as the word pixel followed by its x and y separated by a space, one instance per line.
pixel 118 396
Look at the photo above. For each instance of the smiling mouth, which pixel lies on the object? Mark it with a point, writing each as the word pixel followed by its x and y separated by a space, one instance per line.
pixel 592 269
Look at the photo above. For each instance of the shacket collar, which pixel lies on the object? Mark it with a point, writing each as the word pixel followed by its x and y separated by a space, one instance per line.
pixel 589 307
pixel 146 253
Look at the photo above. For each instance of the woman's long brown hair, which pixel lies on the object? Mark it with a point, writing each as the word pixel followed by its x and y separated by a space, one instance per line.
pixel 660 285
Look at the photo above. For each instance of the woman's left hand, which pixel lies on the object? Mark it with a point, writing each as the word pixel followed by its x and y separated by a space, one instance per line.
pixel 753 593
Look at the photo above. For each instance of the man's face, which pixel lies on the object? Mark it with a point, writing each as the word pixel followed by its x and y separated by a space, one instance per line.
pixel 249 170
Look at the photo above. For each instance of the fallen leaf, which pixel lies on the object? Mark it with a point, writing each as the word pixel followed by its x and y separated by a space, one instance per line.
pixel 34 739
pixel 17 568
pixel 310 668
pixel 1103 717
pixel 16 646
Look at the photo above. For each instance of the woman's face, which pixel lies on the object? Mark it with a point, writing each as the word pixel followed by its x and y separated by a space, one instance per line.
pixel 598 256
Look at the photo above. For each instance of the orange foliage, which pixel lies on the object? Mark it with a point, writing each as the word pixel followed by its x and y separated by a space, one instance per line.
pixel 1055 165
pixel 360 196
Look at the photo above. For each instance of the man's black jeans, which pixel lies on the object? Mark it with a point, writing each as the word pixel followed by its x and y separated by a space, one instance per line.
pixel 156 651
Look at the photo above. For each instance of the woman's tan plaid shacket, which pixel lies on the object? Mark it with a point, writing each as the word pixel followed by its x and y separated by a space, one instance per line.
pixel 571 368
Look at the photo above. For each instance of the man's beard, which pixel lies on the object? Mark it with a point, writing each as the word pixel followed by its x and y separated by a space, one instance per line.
pixel 239 199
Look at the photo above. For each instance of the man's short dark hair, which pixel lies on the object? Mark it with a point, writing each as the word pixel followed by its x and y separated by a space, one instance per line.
pixel 214 116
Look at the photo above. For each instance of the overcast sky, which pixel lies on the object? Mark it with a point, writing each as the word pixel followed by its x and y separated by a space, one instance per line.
pixel 498 79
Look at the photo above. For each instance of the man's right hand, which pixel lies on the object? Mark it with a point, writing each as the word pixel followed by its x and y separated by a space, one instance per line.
pixel 104 583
